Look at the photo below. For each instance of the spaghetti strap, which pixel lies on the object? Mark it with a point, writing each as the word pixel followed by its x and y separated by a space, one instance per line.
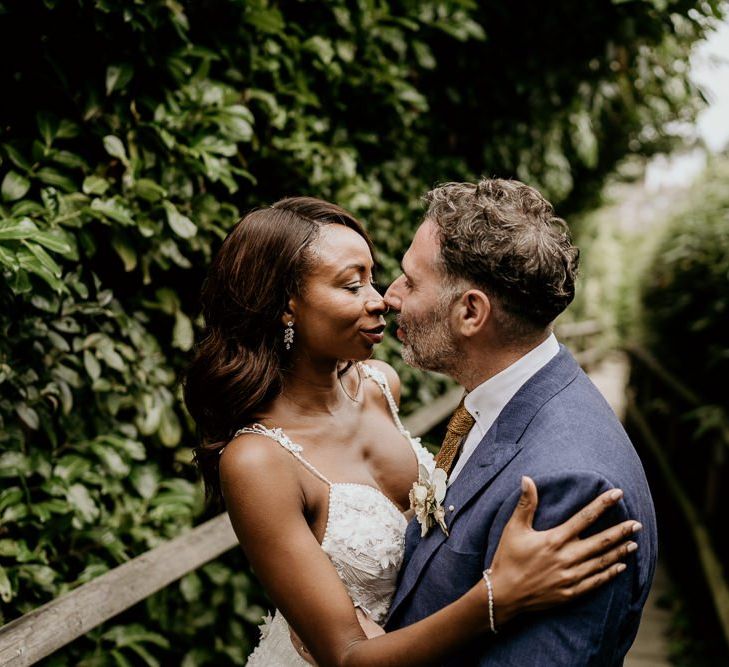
pixel 381 380
pixel 422 455
pixel 282 439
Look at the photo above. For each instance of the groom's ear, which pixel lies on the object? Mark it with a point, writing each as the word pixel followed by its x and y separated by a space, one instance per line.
pixel 474 312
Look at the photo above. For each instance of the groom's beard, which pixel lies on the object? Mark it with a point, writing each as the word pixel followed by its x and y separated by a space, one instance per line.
pixel 429 342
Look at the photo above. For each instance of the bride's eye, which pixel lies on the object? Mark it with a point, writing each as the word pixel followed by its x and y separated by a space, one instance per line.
pixel 354 288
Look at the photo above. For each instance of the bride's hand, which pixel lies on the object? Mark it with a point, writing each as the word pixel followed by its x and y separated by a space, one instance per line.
pixel 534 569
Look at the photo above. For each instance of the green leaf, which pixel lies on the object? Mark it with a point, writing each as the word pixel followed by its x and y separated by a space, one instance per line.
pixel 114 147
pixel 265 19
pixel 20 282
pixel 125 251
pixel 118 76
pixel 41 575
pixel 20 229
pixel 17 158
pixel 48 126
pixel 11 496
pixel 124 635
pixel 28 415
pixel 79 498
pixel 145 479
pixel 170 431
pixel 71 467
pixel 182 333
pixel 92 365
pixel 6 589
pixel 14 186
pixel 111 459
pixel 70 160
pixel 8 259
pixel 114 210
pixel 56 240
pixel 180 224
pixel 191 587
pixel 44 258
pixel 148 190
pixel 30 262
pixel 95 185
pixel 67 129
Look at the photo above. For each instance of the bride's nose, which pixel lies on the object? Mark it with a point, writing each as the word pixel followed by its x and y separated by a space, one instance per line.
pixel 376 304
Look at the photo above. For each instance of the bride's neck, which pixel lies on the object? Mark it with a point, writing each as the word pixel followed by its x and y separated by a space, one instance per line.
pixel 313 388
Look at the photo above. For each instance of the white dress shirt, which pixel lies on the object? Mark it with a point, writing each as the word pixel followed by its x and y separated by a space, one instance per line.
pixel 485 402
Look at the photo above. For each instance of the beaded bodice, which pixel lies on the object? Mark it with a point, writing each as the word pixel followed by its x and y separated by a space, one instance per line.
pixel 364 538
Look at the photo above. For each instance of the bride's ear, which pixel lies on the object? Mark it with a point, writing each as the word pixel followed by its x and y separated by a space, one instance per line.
pixel 289 314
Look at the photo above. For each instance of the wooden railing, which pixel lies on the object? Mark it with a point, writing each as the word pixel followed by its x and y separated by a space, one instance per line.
pixel 708 558
pixel 42 631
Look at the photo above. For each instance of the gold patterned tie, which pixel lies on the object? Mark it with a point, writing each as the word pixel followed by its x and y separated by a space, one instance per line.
pixel 458 427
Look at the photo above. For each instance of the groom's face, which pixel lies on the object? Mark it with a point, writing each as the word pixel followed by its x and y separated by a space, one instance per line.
pixel 423 302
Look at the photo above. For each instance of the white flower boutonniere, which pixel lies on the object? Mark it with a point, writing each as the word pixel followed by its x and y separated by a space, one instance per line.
pixel 426 497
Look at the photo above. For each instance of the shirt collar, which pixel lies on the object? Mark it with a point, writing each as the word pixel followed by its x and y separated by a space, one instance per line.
pixel 487 400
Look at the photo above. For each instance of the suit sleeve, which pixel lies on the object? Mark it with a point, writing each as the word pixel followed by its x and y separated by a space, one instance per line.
pixel 586 631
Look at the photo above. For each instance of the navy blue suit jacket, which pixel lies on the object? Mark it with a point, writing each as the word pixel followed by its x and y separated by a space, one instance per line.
pixel 559 430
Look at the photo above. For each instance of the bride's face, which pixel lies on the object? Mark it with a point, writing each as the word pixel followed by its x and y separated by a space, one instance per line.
pixel 339 314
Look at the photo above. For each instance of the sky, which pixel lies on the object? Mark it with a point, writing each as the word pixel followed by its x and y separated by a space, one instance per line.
pixel 709 69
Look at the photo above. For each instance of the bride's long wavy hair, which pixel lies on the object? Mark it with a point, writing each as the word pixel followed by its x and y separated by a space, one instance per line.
pixel 239 363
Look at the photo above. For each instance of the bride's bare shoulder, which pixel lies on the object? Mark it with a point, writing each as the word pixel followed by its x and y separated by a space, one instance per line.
pixel 249 456
pixel 393 379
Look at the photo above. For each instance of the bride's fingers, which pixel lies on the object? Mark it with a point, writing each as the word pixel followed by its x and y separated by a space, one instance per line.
pixel 595 544
pixel 596 580
pixel 604 561
pixel 523 514
pixel 588 515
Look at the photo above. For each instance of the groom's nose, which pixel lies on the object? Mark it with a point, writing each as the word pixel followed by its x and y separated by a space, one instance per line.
pixel 392 296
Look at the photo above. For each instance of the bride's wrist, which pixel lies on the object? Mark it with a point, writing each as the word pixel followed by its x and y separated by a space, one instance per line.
pixel 502 608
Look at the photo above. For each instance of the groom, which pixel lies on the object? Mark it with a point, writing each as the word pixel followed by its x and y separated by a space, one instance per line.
pixel 487 273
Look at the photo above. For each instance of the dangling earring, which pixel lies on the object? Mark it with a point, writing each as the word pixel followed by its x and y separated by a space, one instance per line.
pixel 289 334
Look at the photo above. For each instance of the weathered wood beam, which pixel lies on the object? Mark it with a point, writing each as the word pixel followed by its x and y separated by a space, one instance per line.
pixel 710 562
pixel 38 633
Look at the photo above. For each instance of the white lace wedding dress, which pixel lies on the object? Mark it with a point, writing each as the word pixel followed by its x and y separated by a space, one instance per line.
pixel 364 539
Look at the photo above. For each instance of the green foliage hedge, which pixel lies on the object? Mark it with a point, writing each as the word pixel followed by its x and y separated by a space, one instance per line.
pixel 685 296
pixel 133 134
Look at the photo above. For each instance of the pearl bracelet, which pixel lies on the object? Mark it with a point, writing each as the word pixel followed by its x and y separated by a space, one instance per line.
pixel 487 578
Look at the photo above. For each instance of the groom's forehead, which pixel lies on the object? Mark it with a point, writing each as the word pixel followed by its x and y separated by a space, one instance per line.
pixel 425 244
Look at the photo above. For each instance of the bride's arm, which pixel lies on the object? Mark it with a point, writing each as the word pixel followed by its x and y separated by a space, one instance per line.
pixel 266 503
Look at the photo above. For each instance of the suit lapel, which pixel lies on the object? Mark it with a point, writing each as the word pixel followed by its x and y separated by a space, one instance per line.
pixel 498 447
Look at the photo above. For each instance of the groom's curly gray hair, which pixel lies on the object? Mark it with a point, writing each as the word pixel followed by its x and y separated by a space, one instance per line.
pixel 503 237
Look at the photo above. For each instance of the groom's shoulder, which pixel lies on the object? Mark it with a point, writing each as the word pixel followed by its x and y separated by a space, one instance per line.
pixel 578 416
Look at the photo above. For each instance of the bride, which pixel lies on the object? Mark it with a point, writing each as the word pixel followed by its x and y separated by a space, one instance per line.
pixel 300 436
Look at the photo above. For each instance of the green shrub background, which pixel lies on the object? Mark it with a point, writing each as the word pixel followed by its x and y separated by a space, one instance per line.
pixel 133 135
pixel 685 294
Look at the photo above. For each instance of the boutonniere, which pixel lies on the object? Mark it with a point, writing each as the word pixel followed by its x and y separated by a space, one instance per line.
pixel 426 497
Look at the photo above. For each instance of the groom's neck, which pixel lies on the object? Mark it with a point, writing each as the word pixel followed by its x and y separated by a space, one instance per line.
pixel 482 360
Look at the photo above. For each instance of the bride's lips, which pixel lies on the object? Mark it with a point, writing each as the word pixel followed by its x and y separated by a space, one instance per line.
pixel 375 334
